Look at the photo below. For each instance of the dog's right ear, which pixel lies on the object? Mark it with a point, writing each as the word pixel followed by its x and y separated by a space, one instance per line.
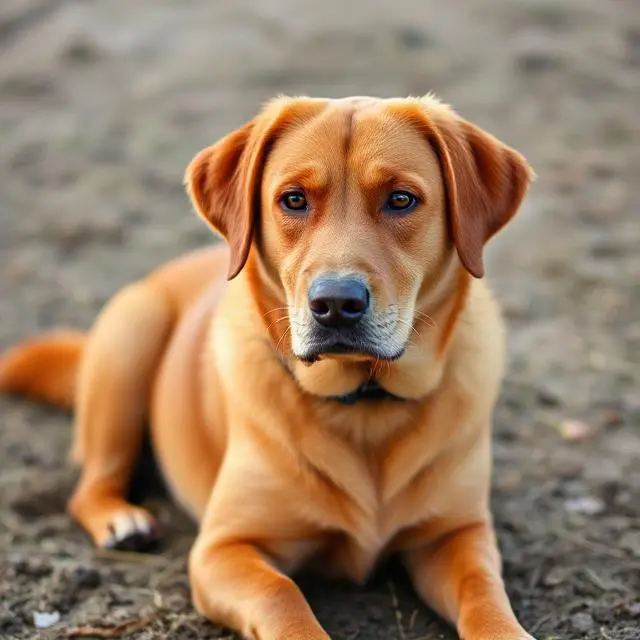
pixel 220 184
pixel 223 181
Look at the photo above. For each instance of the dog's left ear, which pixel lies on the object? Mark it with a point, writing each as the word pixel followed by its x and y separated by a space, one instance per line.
pixel 485 180
pixel 223 181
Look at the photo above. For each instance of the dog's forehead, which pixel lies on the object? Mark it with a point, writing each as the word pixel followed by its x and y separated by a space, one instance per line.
pixel 352 130
pixel 341 125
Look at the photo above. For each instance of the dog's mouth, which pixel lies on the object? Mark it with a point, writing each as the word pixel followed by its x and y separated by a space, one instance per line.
pixel 345 350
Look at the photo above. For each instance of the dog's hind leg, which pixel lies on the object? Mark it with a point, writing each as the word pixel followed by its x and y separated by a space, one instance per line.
pixel 114 382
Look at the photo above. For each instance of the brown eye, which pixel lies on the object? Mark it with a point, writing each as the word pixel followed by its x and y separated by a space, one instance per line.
pixel 400 202
pixel 294 201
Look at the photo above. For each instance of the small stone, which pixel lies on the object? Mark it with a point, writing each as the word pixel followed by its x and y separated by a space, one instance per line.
pixel 587 505
pixel 44 620
pixel 86 578
pixel 175 602
pixel 10 623
pixel 32 568
pixel 548 397
pixel 81 52
pixel 576 430
pixel 556 576
pixel 412 39
pixel 613 418
pixel 582 622
pixel 538 52
pixel 567 470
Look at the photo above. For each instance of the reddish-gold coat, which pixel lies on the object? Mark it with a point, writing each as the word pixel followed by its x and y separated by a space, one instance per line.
pixel 277 475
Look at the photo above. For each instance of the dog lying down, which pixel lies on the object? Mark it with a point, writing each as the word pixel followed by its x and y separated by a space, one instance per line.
pixel 320 390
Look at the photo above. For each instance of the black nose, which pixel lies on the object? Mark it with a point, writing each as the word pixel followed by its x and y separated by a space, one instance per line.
pixel 338 302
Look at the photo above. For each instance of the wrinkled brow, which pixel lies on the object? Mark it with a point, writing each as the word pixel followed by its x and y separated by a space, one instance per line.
pixel 312 176
pixel 376 176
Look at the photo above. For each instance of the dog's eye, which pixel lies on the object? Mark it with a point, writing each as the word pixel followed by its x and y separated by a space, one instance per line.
pixel 294 201
pixel 400 202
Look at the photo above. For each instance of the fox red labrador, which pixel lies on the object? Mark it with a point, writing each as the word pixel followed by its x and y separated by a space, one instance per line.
pixel 320 390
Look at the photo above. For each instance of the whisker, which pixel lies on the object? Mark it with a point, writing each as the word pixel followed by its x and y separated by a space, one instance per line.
pixel 374 368
pixel 276 321
pixel 428 319
pixel 282 337
pixel 407 324
pixel 419 315
pixel 274 310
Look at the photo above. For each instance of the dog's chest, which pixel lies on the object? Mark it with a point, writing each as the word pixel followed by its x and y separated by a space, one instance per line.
pixel 341 549
pixel 366 529
pixel 364 541
pixel 359 494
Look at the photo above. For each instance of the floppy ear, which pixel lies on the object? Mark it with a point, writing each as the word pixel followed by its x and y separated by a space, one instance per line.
pixel 223 182
pixel 485 180
pixel 220 183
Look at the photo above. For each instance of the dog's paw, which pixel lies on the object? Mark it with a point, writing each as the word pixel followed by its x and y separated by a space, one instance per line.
pixel 112 522
pixel 132 529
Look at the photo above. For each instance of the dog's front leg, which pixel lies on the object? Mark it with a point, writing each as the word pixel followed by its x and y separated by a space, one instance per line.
pixel 235 584
pixel 459 576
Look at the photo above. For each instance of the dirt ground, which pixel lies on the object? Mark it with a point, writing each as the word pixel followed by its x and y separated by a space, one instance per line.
pixel 102 104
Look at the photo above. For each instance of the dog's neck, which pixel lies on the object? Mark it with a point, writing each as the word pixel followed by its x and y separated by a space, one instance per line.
pixel 370 390
pixel 367 392
pixel 351 381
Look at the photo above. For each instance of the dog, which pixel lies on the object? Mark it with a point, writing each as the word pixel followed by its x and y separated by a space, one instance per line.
pixel 320 388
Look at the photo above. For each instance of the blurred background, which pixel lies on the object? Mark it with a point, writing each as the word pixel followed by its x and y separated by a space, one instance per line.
pixel 102 105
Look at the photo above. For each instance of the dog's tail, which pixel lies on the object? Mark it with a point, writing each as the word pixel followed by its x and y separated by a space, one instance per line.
pixel 44 368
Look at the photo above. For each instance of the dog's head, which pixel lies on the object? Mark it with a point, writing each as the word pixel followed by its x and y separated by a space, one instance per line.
pixel 357 209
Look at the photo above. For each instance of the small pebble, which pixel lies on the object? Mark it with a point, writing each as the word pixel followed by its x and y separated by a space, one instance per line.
pixel 587 505
pixel 86 577
pixel 32 568
pixel 411 38
pixel 576 430
pixel 556 576
pixel 537 52
pixel 582 622
pixel 613 418
pixel 547 397
pixel 44 620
